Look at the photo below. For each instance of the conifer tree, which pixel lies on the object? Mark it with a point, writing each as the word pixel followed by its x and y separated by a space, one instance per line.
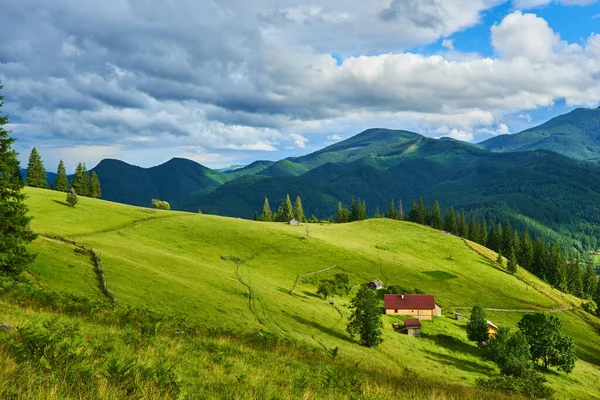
pixel 483 238
pixel 436 217
pixel 492 241
pixel 353 211
pixel 362 210
pixel 421 212
pixel 511 265
pixel 499 259
pixel 36 173
pixel 574 281
pixel 298 210
pixel 558 270
pixel 267 214
pixel 287 209
pixel 80 181
pixel 392 214
pixel 342 214
pixel 62 183
pixel 463 229
pixel 526 251
pixel 474 230
pixel 516 243
pixel 377 214
pixel 507 238
pixel 540 260
pixel 72 198
pixel 590 281
pixel 94 188
pixel 400 214
pixel 450 222
pixel 14 221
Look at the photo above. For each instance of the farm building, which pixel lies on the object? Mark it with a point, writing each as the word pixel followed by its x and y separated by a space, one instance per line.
pixel 421 306
pixel 294 222
pixel 413 327
pixel 492 329
pixel 375 285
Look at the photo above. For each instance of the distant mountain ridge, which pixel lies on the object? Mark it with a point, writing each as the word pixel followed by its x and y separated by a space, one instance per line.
pixel 575 134
pixel 522 177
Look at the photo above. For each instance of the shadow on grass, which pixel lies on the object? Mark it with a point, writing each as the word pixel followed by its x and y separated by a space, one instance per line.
pixel 324 329
pixel 465 365
pixel 451 343
pixel 312 295
pixel 62 203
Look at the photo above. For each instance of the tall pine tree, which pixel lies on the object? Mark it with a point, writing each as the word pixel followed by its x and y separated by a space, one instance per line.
pixel 267 214
pixel 511 265
pixel 62 183
pixel 492 242
pixel 574 281
pixel 463 229
pixel 298 210
pixel 14 221
pixel 436 216
pixel 540 260
pixel 342 214
pixel 507 238
pixel 400 210
pixel 450 222
pixel 94 188
pixel 526 251
pixel 80 181
pixel 392 214
pixel 36 173
pixel 483 233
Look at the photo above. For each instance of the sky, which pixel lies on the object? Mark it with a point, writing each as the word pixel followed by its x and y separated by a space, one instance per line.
pixel 228 82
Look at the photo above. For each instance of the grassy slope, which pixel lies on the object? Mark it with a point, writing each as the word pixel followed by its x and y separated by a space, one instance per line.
pixel 172 262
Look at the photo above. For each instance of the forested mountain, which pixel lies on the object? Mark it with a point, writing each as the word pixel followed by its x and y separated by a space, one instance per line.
pixel 576 135
pixel 513 177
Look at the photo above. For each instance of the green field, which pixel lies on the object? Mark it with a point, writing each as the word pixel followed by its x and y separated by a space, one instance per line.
pixel 185 264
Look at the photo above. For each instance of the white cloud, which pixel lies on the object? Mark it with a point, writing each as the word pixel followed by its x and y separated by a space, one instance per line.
pixel 334 137
pixel 448 43
pixel 299 140
pixel 527 4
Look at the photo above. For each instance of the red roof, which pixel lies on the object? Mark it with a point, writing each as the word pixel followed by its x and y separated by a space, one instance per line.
pixel 412 323
pixel 409 301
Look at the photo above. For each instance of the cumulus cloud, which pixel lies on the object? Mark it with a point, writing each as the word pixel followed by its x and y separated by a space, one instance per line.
pixel 232 78
pixel 527 4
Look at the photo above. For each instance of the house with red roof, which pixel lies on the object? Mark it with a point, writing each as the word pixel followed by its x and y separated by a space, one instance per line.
pixel 421 306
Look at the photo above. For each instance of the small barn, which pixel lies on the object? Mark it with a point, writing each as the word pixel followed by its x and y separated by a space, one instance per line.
pixel 413 327
pixel 375 285
pixel 294 222
pixel 421 306
pixel 492 329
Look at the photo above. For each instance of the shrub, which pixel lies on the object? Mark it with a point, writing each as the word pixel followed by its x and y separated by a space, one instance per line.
pixel 161 204
pixel 531 385
pixel 72 198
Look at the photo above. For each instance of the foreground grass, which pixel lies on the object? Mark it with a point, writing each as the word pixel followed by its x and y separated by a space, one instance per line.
pixel 174 263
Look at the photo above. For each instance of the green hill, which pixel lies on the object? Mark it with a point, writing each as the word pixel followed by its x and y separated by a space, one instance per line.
pixel 187 264
pixel 576 135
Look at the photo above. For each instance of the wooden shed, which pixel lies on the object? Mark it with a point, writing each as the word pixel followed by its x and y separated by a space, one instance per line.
pixel 492 329
pixel 413 327
pixel 294 222
pixel 421 306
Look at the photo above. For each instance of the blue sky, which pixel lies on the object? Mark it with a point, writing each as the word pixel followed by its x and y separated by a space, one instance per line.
pixel 231 82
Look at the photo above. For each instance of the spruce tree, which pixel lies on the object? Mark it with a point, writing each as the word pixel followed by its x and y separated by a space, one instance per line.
pixel 421 212
pixel 341 215
pixel 558 268
pixel 450 222
pixel 392 214
pixel 540 260
pixel 526 251
pixel 574 281
pixel 298 210
pixel 474 234
pixel 362 210
pixel 436 216
pixel 14 221
pixel 463 229
pixel 267 214
pixel 288 210
pixel 511 265
pixel 94 188
pixel 377 213
pixel 353 211
pixel 507 238
pixel 36 173
pixel 62 183
pixel 590 280
pixel 516 243
pixel 80 181
pixel 492 241
pixel 500 259
pixel 483 238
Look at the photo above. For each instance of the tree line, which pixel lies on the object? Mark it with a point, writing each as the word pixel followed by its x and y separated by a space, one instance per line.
pixel 284 213
pixel 83 183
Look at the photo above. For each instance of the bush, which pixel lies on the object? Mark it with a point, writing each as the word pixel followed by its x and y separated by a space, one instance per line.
pixel 531 385
pixel 72 198
pixel 161 204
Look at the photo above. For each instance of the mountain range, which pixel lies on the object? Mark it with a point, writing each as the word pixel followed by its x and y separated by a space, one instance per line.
pixel 543 179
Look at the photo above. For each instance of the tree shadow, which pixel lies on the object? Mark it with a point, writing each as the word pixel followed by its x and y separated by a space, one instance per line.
pixel 324 329
pixel 61 203
pixel 312 295
pixel 465 365
pixel 451 343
